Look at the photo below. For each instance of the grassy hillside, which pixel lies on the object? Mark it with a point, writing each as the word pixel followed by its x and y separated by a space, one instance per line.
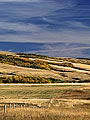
pixel 23 62
pixel 73 60
pixel 31 68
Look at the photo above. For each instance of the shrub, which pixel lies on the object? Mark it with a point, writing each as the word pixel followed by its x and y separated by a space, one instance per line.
pixel 24 62
pixel 40 64
pixel 66 64
pixel 27 79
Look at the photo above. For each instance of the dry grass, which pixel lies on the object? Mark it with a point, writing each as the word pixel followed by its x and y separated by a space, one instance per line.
pixel 6 69
pixel 26 93
pixel 69 102
pixel 7 53
pixel 29 92
pixel 82 66
pixel 80 72
pixel 62 73
pixel 47 114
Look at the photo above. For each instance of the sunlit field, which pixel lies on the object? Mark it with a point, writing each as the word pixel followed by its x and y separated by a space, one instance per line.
pixel 80 113
pixel 45 102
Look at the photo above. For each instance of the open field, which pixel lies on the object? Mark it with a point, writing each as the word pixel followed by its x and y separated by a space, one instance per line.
pixel 66 97
pixel 82 113
pixel 14 92
pixel 56 102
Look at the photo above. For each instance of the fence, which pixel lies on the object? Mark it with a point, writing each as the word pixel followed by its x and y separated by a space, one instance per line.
pixel 4 107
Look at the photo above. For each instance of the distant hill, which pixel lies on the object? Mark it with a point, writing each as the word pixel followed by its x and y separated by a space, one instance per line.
pixel 59 49
pixel 7 53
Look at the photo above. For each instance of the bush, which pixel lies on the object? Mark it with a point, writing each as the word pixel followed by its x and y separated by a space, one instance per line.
pixel 24 62
pixel 40 64
pixel 66 64
pixel 27 79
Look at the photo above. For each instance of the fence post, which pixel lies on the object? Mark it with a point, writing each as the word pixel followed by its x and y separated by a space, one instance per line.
pixel 13 106
pixel 10 105
pixel 24 105
pixel 50 102
pixel 4 108
pixel 21 105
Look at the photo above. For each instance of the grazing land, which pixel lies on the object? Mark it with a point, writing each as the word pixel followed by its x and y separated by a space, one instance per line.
pixel 44 92
pixel 48 69
pixel 64 94
pixel 49 102
pixel 47 114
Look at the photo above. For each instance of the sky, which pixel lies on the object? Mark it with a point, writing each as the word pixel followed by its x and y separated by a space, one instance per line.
pixel 45 21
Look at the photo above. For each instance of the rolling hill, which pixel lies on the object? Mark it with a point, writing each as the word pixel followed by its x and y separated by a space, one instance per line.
pixel 42 69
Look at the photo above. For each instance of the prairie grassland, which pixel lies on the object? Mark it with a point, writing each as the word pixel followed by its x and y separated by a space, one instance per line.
pixel 62 73
pixel 64 69
pixel 56 102
pixel 6 70
pixel 43 92
pixel 56 113
pixel 7 53
pixel 29 92
pixel 14 94
pixel 68 102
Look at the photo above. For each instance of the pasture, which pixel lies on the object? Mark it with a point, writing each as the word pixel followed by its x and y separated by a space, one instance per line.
pixel 57 102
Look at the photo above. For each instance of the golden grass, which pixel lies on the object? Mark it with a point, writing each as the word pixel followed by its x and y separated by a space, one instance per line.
pixel 55 113
pixel 73 102
pixel 42 92
pixel 6 69
pixel 82 66
pixel 7 53
pixel 41 95
pixel 62 73
pixel 69 102
pixel 79 72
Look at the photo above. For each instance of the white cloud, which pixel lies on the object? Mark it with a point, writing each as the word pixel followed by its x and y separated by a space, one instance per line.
pixel 19 27
pixel 66 36
pixel 58 16
pixel 77 24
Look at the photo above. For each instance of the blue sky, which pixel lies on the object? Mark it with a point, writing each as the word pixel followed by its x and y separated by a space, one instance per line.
pixel 45 21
